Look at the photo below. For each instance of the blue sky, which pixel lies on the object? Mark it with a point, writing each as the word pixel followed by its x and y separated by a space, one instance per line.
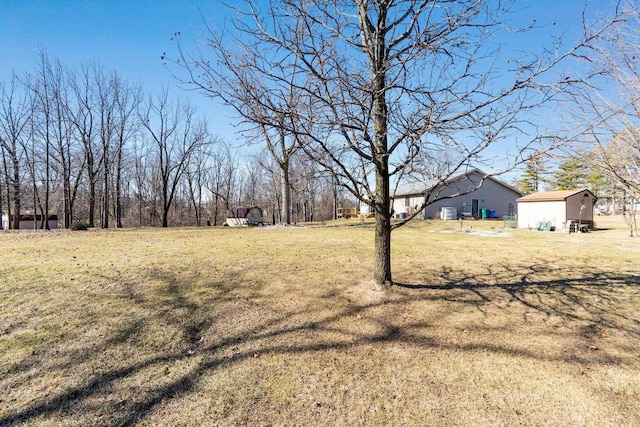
pixel 131 35
pixel 128 36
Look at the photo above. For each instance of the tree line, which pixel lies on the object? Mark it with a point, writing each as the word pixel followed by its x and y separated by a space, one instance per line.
pixel 91 146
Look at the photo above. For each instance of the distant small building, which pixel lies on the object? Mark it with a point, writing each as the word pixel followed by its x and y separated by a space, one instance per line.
pixel 346 213
pixel 565 209
pixel 243 216
pixel 30 220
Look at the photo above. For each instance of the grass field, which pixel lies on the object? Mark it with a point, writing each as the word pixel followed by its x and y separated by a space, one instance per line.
pixel 283 326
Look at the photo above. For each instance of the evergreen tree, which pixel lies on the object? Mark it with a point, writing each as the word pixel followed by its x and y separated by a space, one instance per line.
pixel 533 175
pixel 579 172
pixel 598 182
pixel 572 174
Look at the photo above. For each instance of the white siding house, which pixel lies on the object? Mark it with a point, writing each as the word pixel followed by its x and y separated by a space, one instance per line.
pixel 470 194
pixel 558 208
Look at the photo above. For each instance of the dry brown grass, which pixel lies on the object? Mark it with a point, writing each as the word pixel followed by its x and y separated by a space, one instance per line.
pixel 284 327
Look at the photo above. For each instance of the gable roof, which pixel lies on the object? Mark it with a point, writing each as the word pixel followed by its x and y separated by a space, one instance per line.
pixel 422 187
pixel 243 211
pixel 553 196
pixel 417 187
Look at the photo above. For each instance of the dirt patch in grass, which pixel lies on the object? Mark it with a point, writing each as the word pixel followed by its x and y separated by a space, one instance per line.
pixel 219 326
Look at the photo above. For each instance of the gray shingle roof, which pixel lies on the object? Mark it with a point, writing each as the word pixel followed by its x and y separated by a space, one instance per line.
pixel 421 187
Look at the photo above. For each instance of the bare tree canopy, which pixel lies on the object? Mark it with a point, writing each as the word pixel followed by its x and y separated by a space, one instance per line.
pixel 385 89
pixel 608 112
pixel 175 136
pixel 613 111
pixel 15 114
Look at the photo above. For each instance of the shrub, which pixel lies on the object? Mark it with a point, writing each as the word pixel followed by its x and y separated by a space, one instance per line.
pixel 80 225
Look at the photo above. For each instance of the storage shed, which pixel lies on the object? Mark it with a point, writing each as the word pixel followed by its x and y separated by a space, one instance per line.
pixel 30 220
pixel 563 210
pixel 243 216
pixel 472 194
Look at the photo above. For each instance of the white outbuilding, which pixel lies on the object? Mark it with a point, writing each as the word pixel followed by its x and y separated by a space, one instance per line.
pixel 568 210
pixel 244 216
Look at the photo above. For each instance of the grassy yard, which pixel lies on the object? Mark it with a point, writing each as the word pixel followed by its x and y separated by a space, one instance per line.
pixel 283 326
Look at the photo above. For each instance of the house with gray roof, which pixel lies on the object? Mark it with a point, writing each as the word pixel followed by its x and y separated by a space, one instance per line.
pixel 471 194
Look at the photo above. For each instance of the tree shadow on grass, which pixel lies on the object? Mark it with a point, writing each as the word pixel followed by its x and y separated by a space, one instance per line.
pixel 306 329
pixel 588 296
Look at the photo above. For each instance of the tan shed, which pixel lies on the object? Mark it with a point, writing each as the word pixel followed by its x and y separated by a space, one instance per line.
pixel 563 210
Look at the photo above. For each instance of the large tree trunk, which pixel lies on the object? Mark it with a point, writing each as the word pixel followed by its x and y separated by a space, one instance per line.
pixel 382 258
pixel 215 207
pixel 378 60
pixel 119 191
pixel 91 175
pixel 67 202
pixel 92 199
pixel 105 206
pixel 285 191
pixel 17 204
pixel 165 217
pixel 166 203
pixel 45 214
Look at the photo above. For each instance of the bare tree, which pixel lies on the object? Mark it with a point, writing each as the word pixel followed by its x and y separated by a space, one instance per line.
pixel 45 85
pixel 141 182
pixel 196 176
pixel 104 88
pixel 55 156
pixel 104 118
pixel 68 158
pixel 263 91
pixel 32 149
pixel 175 136
pixel 85 119
pixel 116 104
pixel 378 82
pixel 15 115
pixel 610 108
pixel 127 101
pixel 306 184
pixel 221 178
pixel 273 187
